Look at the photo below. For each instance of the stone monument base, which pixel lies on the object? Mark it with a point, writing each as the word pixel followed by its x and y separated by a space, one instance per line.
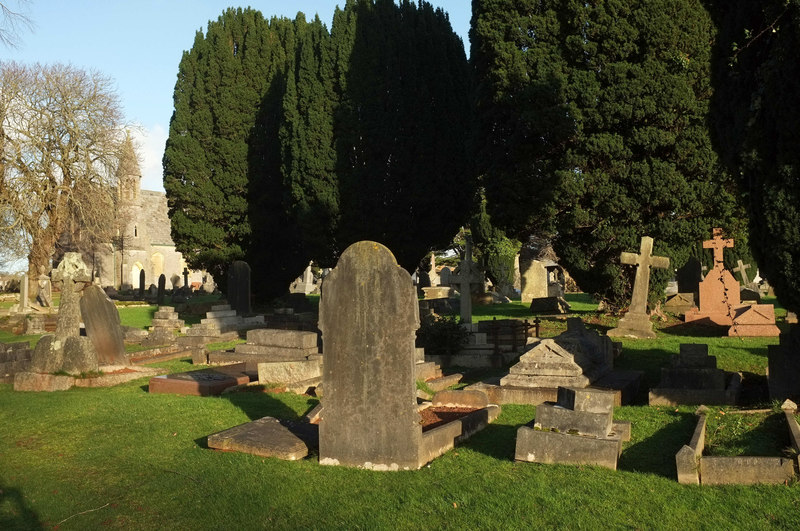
pixel 636 325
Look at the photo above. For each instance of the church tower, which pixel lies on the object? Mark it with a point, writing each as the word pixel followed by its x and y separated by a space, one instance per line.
pixel 129 176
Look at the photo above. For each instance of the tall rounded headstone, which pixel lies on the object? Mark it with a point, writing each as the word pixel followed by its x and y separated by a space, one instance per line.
pixel 368 317
pixel 239 287
pixel 162 286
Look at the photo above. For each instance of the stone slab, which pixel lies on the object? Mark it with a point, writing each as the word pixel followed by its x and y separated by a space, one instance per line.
pixel 440 384
pixel 453 398
pixel 586 400
pixel 36 381
pixel 277 352
pixel 427 370
pixel 497 394
pixel 745 470
pixel 297 339
pixel 541 446
pixel 289 371
pixel 204 382
pixel 264 437
pixel 551 416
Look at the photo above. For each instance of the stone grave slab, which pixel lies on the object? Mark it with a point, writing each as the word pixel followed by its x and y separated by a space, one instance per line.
pixel 203 382
pixel 264 437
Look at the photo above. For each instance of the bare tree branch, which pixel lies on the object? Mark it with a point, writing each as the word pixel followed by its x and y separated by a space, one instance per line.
pixel 13 22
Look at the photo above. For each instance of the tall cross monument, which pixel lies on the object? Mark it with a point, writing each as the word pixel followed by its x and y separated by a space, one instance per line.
pixel 636 323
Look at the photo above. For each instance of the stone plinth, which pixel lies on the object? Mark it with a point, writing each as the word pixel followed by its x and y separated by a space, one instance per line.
pixel 577 429
pixel 265 437
pixel 205 382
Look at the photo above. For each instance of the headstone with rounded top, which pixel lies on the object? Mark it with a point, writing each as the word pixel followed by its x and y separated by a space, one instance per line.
pixel 101 318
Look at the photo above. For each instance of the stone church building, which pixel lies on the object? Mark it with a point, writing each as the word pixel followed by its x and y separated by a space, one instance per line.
pixel 143 241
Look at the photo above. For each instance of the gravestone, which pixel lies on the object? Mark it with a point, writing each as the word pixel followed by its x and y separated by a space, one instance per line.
pixel 534 281
pixel 186 278
pixel 719 291
pixel 368 318
pixel 578 429
pixel 720 299
pixel 693 378
pixel 783 373
pixel 162 287
pixel 689 276
pixel 66 350
pixel 432 274
pixel 636 323
pixel 444 276
pixel 45 295
pixel 141 284
pixel 24 305
pixel 103 328
pixel 467 275
pixel 239 287
pixel 575 358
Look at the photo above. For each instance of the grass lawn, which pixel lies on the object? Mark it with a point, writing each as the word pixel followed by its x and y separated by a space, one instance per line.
pixel 122 458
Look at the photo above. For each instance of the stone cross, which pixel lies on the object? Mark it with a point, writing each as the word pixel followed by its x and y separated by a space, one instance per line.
pixel 74 275
pixel 718 244
pixel 465 272
pixel 741 271
pixel 641 283
pixel 185 278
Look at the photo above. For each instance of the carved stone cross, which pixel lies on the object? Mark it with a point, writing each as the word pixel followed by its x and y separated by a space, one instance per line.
pixel 718 244
pixel 641 283
pixel 465 273
pixel 741 271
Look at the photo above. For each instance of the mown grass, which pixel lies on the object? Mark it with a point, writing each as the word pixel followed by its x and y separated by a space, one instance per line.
pixel 123 458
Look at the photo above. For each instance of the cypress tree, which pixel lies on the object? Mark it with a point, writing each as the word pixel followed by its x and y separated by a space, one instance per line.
pixel 401 124
pixel 221 82
pixel 592 130
pixel 757 127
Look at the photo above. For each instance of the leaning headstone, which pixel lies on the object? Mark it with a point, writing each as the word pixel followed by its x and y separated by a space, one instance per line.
pixel 141 284
pixel 636 323
pixel 162 287
pixel 238 294
pixel 742 270
pixel 101 318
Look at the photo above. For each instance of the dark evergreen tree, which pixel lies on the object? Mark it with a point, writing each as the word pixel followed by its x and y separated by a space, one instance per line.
pixel 221 83
pixel 757 125
pixel 592 130
pixel 401 127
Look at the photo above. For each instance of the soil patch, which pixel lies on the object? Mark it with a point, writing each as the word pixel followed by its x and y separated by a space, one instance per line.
pixel 436 416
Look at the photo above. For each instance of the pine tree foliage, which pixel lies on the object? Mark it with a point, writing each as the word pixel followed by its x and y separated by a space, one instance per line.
pixel 757 125
pixel 592 128
pixel 401 125
pixel 221 82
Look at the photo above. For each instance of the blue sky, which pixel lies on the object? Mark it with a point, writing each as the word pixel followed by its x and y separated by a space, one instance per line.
pixel 138 44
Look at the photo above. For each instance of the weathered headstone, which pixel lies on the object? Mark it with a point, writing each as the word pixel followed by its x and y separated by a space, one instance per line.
pixel 534 281
pixel 636 323
pixel 45 295
pixel 432 274
pixel 239 287
pixel 141 284
pixel 66 350
pixel 101 319
pixel 162 288
pixel 368 318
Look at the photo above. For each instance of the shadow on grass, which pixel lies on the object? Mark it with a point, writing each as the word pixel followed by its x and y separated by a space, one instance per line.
pixel 700 328
pixel 656 453
pixel 495 440
pixel 16 513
